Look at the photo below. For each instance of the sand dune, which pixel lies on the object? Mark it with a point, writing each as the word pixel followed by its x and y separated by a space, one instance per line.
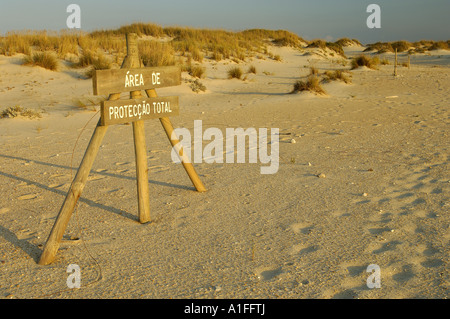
pixel 380 142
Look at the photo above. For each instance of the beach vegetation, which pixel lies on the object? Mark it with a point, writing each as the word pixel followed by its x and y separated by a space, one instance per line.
pixel 311 84
pixel 47 60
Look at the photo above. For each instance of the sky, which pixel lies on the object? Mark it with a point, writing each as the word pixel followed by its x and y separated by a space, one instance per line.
pixel 410 20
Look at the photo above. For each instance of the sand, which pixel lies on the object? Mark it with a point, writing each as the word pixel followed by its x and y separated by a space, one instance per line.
pixel 379 145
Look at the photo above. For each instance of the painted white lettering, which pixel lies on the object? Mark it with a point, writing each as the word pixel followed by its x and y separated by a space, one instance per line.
pixel 156 78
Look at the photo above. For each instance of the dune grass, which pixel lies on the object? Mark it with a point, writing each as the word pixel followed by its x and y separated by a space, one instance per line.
pixel 196 43
pixel 403 46
pixel 347 42
pixel 235 73
pixel 195 71
pixel 312 84
pixel 336 75
pixel 184 41
pixel 363 60
pixel 197 86
pixel 251 69
pixel 439 45
pixel 47 60
pixel 313 70
pixel 334 46
pixel 86 59
pixel 17 110
pixel 100 62
pixel 154 53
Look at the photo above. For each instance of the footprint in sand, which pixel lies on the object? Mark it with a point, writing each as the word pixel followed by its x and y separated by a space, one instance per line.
pixel 28 196
pixel 389 246
pixel 406 273
pixel 268 273
pixel 95 178
pixel 356 271
pixel 59 185
pixel 300 249
pixel 25 234
pixel 413 189
pixel 4 210
pixel 158 168
pixel 432 263
pixel 302 228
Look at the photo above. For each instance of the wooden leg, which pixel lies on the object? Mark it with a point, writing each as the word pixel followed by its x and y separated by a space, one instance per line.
pixel 74 193
pixel 168 128
pixel 395 63
pixel 141 172
pixel 165 122
pixel 140 150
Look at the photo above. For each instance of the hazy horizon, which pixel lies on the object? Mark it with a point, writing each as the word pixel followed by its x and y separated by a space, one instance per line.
pixel 325 19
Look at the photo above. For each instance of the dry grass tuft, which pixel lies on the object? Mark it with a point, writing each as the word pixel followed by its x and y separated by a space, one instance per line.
pixel 251 69
pixel 439 45
pixel 366 61
pixel 47 60
pixel 336 75
pixel 313 70
pixel 101 62
pixel 235 72
pixel 85 60
pixel 16 111
pixel 312 84
pixel 401 46
pixel 336 47
pixel 195 71
pixel 154 53
pixel 197 86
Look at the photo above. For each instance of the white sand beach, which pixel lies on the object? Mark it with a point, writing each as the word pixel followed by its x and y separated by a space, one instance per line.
pixel 363 179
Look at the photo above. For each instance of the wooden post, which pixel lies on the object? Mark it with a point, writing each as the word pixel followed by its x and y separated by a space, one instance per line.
pixel 409 61
pixel 76 188
pixel 168 128
pixel 132 60
pixel 395 63
pixel 74 193
pixel 140 150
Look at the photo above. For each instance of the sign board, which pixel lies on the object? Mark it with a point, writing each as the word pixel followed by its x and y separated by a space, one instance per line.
pixel 116 111
pixel 127 80
pixel 125 111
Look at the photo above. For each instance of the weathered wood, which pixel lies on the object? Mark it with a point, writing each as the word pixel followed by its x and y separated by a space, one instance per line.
pixel 133 79
pixel 140 150
pixel 132 60
pixel 168 128
pixel 53 241
pixel 395 63
pixel 124 111
pixel 74 193
pixel 104 82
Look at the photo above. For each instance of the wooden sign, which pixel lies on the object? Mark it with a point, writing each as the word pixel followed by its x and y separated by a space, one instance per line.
pixel 125 111
pixel 130 78
pixel 127 80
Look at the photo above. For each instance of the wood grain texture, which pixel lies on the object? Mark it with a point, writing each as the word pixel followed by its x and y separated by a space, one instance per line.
pixel 133 79
pixel 125 111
